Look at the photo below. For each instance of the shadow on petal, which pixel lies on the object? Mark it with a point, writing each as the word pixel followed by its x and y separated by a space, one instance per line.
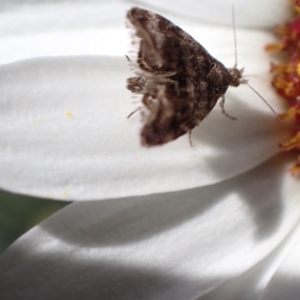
pixel 130 220
pixel 165 246
pixel 64 277
pixel 254 136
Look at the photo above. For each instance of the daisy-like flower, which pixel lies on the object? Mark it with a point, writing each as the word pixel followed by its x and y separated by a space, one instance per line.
pixel 216 221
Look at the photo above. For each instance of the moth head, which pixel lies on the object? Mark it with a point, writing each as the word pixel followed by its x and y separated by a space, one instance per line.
pixel 236 77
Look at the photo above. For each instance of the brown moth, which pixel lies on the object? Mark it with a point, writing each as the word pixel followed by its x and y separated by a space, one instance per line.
pixel 180 82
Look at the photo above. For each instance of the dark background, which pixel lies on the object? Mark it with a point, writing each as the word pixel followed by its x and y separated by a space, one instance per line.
pixel 19 213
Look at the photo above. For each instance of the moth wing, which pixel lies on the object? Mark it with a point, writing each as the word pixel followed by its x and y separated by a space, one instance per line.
pixel 163 45
pixel 178 94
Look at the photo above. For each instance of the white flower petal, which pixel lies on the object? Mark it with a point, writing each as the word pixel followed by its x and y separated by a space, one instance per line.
pixel 98 28
pixel 252 284
pixel 64 135
pixel 63 28
pixel 255 13
pixel 95 149
pixel 285 282
pixel 169 246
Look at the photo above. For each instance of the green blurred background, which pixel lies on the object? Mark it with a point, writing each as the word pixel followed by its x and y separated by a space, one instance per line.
pixel 20 213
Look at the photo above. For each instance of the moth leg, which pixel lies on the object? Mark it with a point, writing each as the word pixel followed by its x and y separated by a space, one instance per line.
pixel 133 112
pixel 222 103
pixel 190 139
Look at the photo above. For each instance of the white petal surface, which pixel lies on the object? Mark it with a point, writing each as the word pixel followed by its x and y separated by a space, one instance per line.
pixel 285 282
pixel 64 135
pixel 62 120
pixel 63 28
pixel 251 285
pixel 255 13
pixel 98 28
pixel 168 246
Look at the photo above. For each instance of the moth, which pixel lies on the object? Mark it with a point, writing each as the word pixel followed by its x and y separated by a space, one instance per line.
pixel 180 82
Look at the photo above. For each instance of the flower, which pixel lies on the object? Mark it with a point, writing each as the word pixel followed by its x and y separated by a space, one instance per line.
pixel 286 78
pixel 213 222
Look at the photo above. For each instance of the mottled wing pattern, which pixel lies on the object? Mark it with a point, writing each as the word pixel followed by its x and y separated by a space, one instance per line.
pixel 179 80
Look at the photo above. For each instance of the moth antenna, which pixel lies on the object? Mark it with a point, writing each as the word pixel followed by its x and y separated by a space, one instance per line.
pixel 260 96
pixel 245 81
pixel 234 35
